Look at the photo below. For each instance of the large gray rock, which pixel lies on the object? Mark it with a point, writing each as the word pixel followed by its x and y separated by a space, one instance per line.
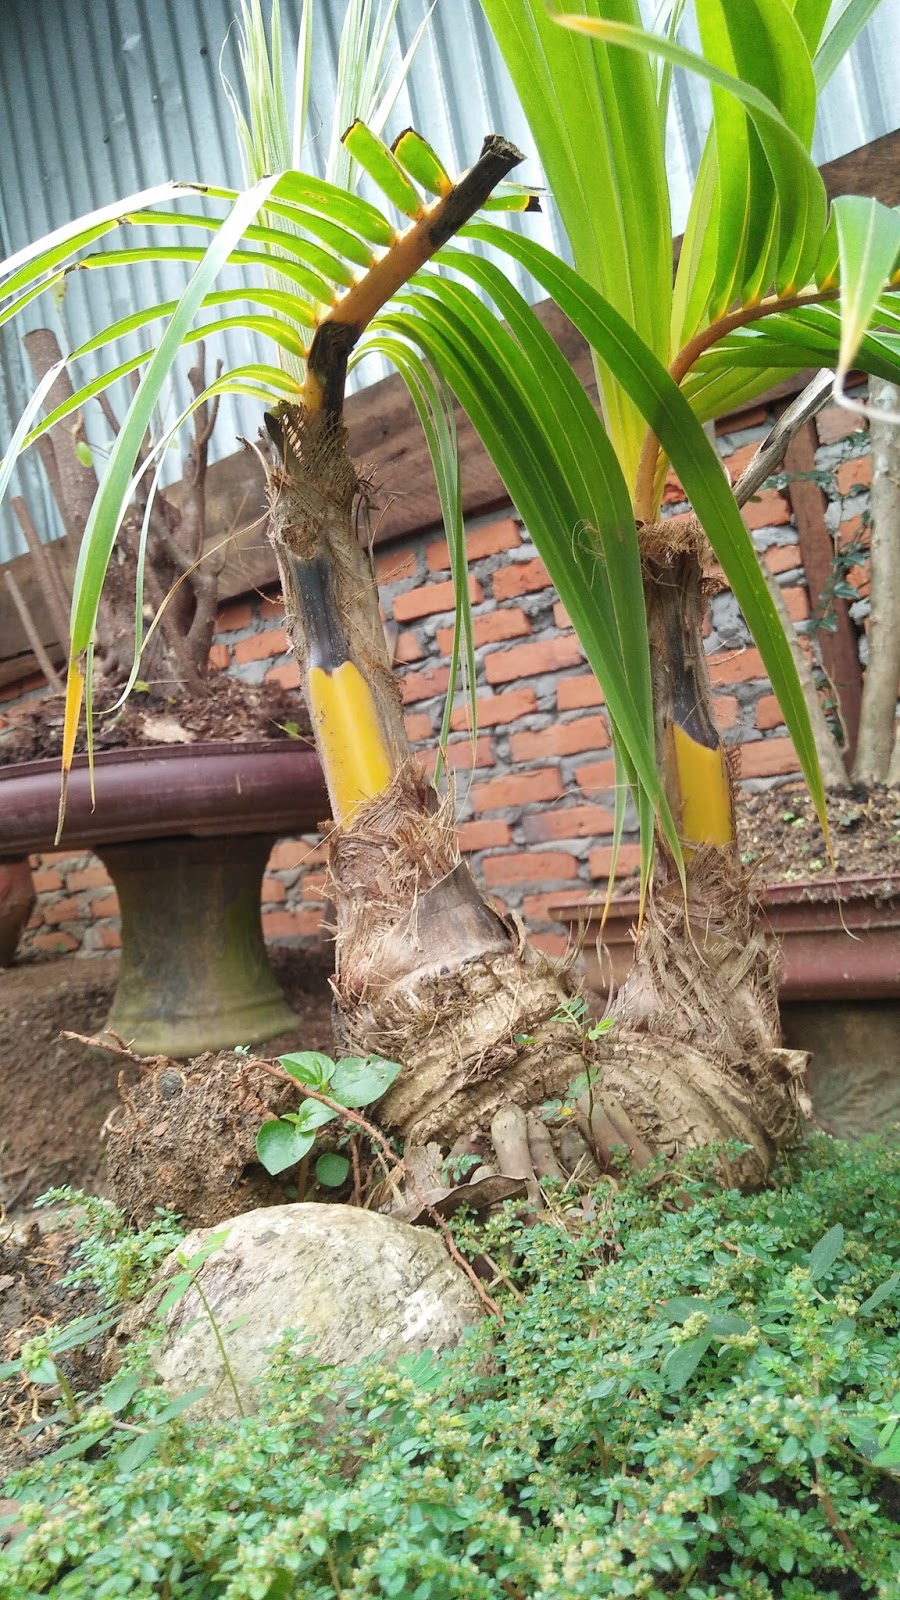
pixel 358 1283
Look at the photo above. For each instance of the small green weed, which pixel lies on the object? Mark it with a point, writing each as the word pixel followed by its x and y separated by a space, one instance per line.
pixel 692 1393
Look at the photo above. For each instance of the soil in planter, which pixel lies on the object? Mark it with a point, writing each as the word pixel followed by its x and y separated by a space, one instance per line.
pixel 230 711
pixel 781 839
pixel 55 1095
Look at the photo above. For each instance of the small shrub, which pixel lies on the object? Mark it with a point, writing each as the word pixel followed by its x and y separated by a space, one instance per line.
pixel 692 1393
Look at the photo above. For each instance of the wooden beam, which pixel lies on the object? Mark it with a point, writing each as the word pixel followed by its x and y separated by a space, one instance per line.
pixel 839 649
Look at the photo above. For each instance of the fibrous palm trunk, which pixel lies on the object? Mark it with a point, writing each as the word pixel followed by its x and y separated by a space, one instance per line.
pixel 429 974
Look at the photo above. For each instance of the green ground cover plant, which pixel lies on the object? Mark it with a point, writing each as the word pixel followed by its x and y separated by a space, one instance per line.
pixel 691 1392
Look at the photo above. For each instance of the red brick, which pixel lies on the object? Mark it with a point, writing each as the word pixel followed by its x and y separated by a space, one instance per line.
pixel 66 910
pixel 407 648
pixel 312 887
pixel 768 509
pixel 437 556
pixel 483 835
pixel 492 709
pixel 424 684
pixel 600 860
pixel 860 579
pixel 768 712
pixel 45 881
pixel 855 474
pixel 487 541
pixel 430 599
pixel 537 907
pixel 560 615
pixel 290 924
pixel 507 622
pixel 797 603
pixel 54 941
pixel 673 491
pixel 287 675
pixel 528 866
pixel 530 660
pixel 270 642
pixel 573 693
pixel 418 726
pixel 219 657
pixel 726 710
pixel 12 690
pixel 231 618
pixel 765 758
pixel 87 878
pixel 567 822
pixel 554 945
pixel 835 422
pixel 520 577
pixel 597 778
pixel 108 938
pixel 517 789
pixel 106 906
pixel 735 666
pixel 61 855
pixel 458 755
pixel 315 855
pixel 287 855
pixel 271 605
pixel 273 889
pixel 783 557
pixel 491 539
pixel 393 565
pixel 851 531
pixel 562 739
pixel 739 459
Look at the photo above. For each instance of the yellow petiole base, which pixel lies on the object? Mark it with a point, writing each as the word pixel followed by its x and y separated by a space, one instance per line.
pixel 349 738
pixel 707 814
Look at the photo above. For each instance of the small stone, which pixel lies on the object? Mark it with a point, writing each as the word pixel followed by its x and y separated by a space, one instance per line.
pixel 349 1284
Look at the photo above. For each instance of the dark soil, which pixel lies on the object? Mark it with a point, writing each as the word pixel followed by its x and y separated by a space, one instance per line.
pixel 185 1137
pixel 35 1257
pixel 781 838
pixel 56 1094
pixel 230 711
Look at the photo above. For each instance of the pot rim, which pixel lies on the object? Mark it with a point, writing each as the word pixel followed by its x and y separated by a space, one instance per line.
pixel 860 886
pixel 211 789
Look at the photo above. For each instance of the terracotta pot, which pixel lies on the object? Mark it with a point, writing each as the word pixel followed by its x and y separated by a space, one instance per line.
pixel 840 938
pixel 16 900
pixel 185 833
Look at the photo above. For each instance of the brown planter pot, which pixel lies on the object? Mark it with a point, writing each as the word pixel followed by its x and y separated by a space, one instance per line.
pixel 840 990
pixel 840 939
pixel 16 900
pixel 185 833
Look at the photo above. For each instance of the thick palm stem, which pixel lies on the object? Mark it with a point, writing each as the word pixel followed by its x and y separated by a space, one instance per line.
pixel 689 750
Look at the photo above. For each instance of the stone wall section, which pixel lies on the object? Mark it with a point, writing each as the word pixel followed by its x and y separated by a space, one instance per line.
pixel 535 794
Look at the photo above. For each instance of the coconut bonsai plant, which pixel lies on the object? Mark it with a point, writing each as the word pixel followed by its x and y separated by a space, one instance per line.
pixel 427 973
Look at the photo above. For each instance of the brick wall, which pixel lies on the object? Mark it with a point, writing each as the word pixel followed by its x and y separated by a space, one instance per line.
pixel 535 796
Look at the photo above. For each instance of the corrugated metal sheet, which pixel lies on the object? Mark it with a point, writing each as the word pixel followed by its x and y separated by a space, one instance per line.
pixel 99 98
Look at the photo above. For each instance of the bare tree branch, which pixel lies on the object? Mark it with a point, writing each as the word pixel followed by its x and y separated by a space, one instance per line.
pixel 32 635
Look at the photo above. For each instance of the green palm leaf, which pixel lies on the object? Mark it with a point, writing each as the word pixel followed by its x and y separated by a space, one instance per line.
pixel 801 192
pixel 595 121
pixel 670 418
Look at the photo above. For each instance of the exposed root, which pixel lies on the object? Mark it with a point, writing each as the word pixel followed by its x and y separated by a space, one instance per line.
pixel 430 975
